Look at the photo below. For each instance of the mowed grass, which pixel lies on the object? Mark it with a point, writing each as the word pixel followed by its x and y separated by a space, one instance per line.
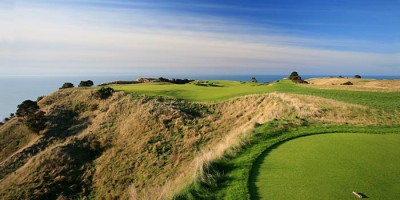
pixel 332 166
pixel 223 90
pixel 220 91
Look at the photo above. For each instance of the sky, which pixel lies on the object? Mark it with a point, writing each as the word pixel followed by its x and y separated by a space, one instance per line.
pixel 223 37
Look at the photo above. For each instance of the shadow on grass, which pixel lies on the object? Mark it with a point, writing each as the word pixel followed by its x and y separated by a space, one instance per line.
pixel 363 195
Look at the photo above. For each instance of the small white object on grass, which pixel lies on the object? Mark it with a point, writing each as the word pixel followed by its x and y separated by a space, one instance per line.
pixel 358 195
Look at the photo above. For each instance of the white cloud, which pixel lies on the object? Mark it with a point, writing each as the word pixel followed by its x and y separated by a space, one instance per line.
pixel 59 40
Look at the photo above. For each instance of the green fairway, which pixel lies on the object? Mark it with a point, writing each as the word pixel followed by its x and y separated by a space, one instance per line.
pixel 331 166
pixel 223 90
pixel 220 91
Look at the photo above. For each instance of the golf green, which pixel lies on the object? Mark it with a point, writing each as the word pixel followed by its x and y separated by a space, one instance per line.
pixel 331 166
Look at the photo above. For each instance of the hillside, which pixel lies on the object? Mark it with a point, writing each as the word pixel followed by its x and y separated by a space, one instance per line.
pixel 139 145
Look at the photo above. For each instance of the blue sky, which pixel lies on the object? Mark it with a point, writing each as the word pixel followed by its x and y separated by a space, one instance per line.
pixel 175 37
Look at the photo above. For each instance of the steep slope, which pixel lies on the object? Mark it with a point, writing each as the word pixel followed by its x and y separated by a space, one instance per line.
pixel 140 147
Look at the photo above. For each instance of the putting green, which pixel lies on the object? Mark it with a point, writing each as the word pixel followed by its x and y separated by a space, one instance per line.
pixel 331 166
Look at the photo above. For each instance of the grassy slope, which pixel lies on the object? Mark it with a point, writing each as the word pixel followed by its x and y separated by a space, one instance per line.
pixel 331 166
pixel 381 100
pixel 14 136
pixel 223 90
pixel 236 168
pixel 234 175
pixel 120 122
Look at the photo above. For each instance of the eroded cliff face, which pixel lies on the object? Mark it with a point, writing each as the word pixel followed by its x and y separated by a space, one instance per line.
pixel 139 147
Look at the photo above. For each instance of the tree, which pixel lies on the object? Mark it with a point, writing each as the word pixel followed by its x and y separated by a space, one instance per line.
pixel 67 85
pixel 104 93
pixel 357 76
pixel 36 122
pixel 27 108
pixel 87 83
pixel 294 76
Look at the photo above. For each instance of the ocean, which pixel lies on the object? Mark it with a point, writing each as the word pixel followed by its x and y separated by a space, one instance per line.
pixel 15 89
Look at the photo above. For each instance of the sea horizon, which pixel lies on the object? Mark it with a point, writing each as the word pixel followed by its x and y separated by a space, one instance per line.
pixel 20 88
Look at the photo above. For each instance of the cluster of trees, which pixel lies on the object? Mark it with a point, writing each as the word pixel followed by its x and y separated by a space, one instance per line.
pixel 87 83
pixel 294 76
pixel 67 85
pixel 175 81
pixel 33 118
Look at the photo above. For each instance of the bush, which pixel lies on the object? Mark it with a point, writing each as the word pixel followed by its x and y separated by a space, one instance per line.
pixel 87 83
pixel 357 76
pixel 104 93
pixel 26 108
pixel 39 98
pixel 36 122
pixel 67 85
pixel 181 81
pixel 294 76
pixel 347 83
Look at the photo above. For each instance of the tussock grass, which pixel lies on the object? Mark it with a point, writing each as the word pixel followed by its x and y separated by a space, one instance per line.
pixel 14 136
pixel 146 146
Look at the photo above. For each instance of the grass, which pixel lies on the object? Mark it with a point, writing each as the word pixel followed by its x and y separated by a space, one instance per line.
pixel 220 90
pixel 331 166
pixel 234 175
pixel 223 90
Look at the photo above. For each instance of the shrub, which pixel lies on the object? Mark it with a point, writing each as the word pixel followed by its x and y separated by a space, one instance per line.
pixel 104 93
pixel 39 98
pixel 67 85
pixel 36 122
pixel 1 123
pixel 254 80
pixel 87 83
pixel 357 76
pixel 181 81
pixel 294 76
pixel 347 83
pixel 26 108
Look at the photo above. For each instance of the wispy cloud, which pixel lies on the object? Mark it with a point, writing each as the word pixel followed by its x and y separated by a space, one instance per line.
pixel 46 38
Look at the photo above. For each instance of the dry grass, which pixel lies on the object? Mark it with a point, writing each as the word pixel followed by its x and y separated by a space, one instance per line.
pixel 358 84
pixel 152 147
pixel 14 136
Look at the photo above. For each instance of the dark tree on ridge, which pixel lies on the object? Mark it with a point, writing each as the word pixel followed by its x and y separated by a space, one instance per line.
pixel 26 108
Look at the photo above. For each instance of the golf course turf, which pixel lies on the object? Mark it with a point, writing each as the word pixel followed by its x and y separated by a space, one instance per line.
pixel 331 166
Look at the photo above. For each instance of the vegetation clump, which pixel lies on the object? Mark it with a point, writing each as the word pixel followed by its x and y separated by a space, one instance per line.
pixel 357 76
pixel 87 83
pixel 294 76
pixel 39 98
pixel 164 80
pixel 254 80
pixel 27 108
pixel 104 92
pixel 67 85
pixel 347 83
pixel 34 119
